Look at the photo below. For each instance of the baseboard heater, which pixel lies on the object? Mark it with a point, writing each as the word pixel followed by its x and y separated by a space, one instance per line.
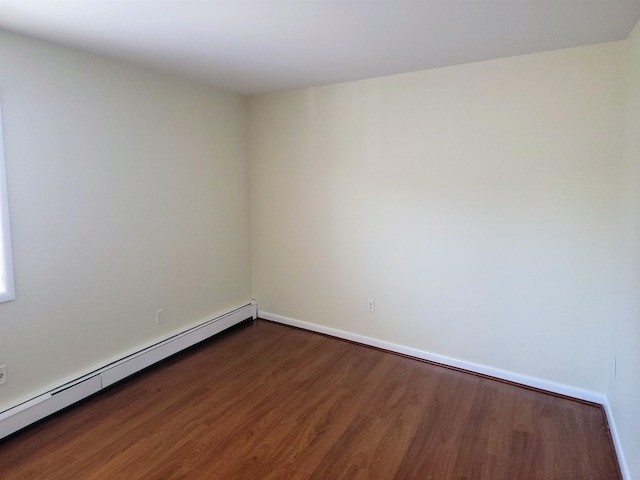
pixel 41 406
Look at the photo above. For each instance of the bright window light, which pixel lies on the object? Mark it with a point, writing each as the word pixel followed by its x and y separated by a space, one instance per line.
pixel 7 291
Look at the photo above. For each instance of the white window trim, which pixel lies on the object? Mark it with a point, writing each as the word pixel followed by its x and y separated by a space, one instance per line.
pixel 7 289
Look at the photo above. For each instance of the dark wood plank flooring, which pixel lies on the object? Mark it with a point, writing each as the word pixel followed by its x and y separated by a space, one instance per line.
pixel 266 401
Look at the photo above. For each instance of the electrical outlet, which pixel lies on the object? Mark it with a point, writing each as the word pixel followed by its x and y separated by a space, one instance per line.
pixel 159 316
pixel 371 305
pixel 3 374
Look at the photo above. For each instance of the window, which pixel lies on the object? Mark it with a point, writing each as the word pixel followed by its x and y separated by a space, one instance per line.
pixel 6 260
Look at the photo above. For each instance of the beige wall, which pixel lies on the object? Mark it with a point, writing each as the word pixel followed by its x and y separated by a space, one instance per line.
pixel 474 203
pixel 128 193
pixel 491 210
pixel 624 391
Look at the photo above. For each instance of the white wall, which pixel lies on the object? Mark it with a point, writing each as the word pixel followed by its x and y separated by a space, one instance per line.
pixel 128 193
pixel 475 203
pixel 624 391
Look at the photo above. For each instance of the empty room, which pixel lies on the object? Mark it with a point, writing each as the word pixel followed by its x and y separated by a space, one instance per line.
pixel 363 239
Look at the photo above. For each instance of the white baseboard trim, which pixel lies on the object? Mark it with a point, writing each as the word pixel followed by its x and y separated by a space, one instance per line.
pixel 538 383
pixel 43 405
pixel 525 380
pixel 624 466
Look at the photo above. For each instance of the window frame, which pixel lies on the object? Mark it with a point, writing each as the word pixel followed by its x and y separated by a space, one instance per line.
pixel 7 286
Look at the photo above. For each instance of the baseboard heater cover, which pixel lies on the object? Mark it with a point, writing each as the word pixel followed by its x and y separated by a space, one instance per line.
pixel 41 406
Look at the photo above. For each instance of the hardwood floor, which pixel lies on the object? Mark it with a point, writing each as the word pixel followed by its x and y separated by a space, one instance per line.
pixel 266 401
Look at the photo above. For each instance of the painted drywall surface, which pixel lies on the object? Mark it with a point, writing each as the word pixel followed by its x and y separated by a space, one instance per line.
pixel 128 193
pixel 624 390
pixel 474 203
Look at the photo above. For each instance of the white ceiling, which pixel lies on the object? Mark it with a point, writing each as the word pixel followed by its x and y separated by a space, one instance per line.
pixel 257 46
